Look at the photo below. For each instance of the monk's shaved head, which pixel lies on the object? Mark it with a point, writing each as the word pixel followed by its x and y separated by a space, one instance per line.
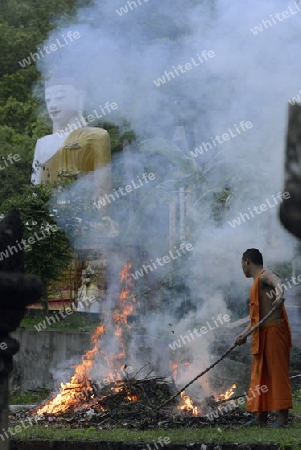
pixel 254 255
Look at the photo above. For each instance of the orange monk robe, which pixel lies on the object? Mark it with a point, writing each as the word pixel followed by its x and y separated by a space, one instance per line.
pixel 271 354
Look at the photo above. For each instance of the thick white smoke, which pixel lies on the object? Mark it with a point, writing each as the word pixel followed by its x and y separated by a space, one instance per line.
pixel 250 78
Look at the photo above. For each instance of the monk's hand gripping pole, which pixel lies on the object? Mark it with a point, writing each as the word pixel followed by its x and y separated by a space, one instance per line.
pixel 222 357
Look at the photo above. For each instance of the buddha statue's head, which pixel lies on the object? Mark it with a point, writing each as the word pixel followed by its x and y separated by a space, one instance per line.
pixel 64 101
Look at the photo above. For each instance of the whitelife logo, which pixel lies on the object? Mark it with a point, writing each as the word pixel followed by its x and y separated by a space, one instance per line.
pixel 269 23
pixel 263 207
pixel 239 401
pixel 3 346
pixel 124 9
pixel 167 76
pixel 278 289
pixel 161 440
pixel 295 100
pixel 50 320
pixel 82 122
pixel 12 431
pixel 9 160
pixel 221 139
pixel 11 250
pixel 166 260
pixel 128 188
pixel 53 48
pixel 203 330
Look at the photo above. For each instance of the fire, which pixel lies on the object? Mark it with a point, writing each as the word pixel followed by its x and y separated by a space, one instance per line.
pixel 79 393
pixel 121 386
pixel 226 395
pixel 72 395
pixel 188 405
pixel 126 307
pixel 174 368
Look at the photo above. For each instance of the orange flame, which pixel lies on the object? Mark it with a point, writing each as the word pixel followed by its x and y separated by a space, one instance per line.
pixel 120 318
pixel 79 392
pixel 226 395
pixel 188 405
pixel 174 368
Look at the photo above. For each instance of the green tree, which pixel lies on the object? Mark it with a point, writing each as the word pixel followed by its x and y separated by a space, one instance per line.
pixel 48 251
pixel 23 27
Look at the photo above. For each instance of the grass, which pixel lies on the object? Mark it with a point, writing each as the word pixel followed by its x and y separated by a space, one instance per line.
pixel 28 398
pixel 217 435
pixel 213 434
pixel 76 321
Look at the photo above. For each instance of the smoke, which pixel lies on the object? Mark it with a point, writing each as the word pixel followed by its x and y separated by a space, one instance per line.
pixel 250 78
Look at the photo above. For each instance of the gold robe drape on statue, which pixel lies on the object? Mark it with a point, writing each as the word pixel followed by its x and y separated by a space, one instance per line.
pixel 84 150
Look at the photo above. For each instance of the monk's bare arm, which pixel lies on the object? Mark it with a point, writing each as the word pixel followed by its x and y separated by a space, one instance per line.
pixel 271 279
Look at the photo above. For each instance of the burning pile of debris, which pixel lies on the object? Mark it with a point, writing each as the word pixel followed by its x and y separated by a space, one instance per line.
pixel 133 404
pixel 127 394
pixel 132 401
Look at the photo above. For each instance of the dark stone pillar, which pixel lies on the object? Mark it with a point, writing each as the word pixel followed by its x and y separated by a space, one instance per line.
pixel 17 290
pixel 290 209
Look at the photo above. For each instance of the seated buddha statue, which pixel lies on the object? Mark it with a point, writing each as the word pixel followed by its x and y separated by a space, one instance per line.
pixel 74 149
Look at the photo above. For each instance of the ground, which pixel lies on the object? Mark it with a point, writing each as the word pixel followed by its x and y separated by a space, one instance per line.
pixel 216 433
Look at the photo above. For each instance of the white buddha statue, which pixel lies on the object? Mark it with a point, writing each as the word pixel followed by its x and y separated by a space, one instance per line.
pixel 73 148
pixel 72 151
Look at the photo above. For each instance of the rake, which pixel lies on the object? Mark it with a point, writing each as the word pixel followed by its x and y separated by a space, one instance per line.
pixel 221 358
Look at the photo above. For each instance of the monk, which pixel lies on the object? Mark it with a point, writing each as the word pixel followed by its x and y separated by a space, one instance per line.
pixel 270 387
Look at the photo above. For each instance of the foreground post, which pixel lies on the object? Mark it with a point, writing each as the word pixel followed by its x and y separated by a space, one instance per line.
pixel 290 209
pixel 16 291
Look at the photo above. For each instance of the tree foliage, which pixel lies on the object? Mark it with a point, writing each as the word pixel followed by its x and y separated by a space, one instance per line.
pixel 23 26
pixel 48 251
